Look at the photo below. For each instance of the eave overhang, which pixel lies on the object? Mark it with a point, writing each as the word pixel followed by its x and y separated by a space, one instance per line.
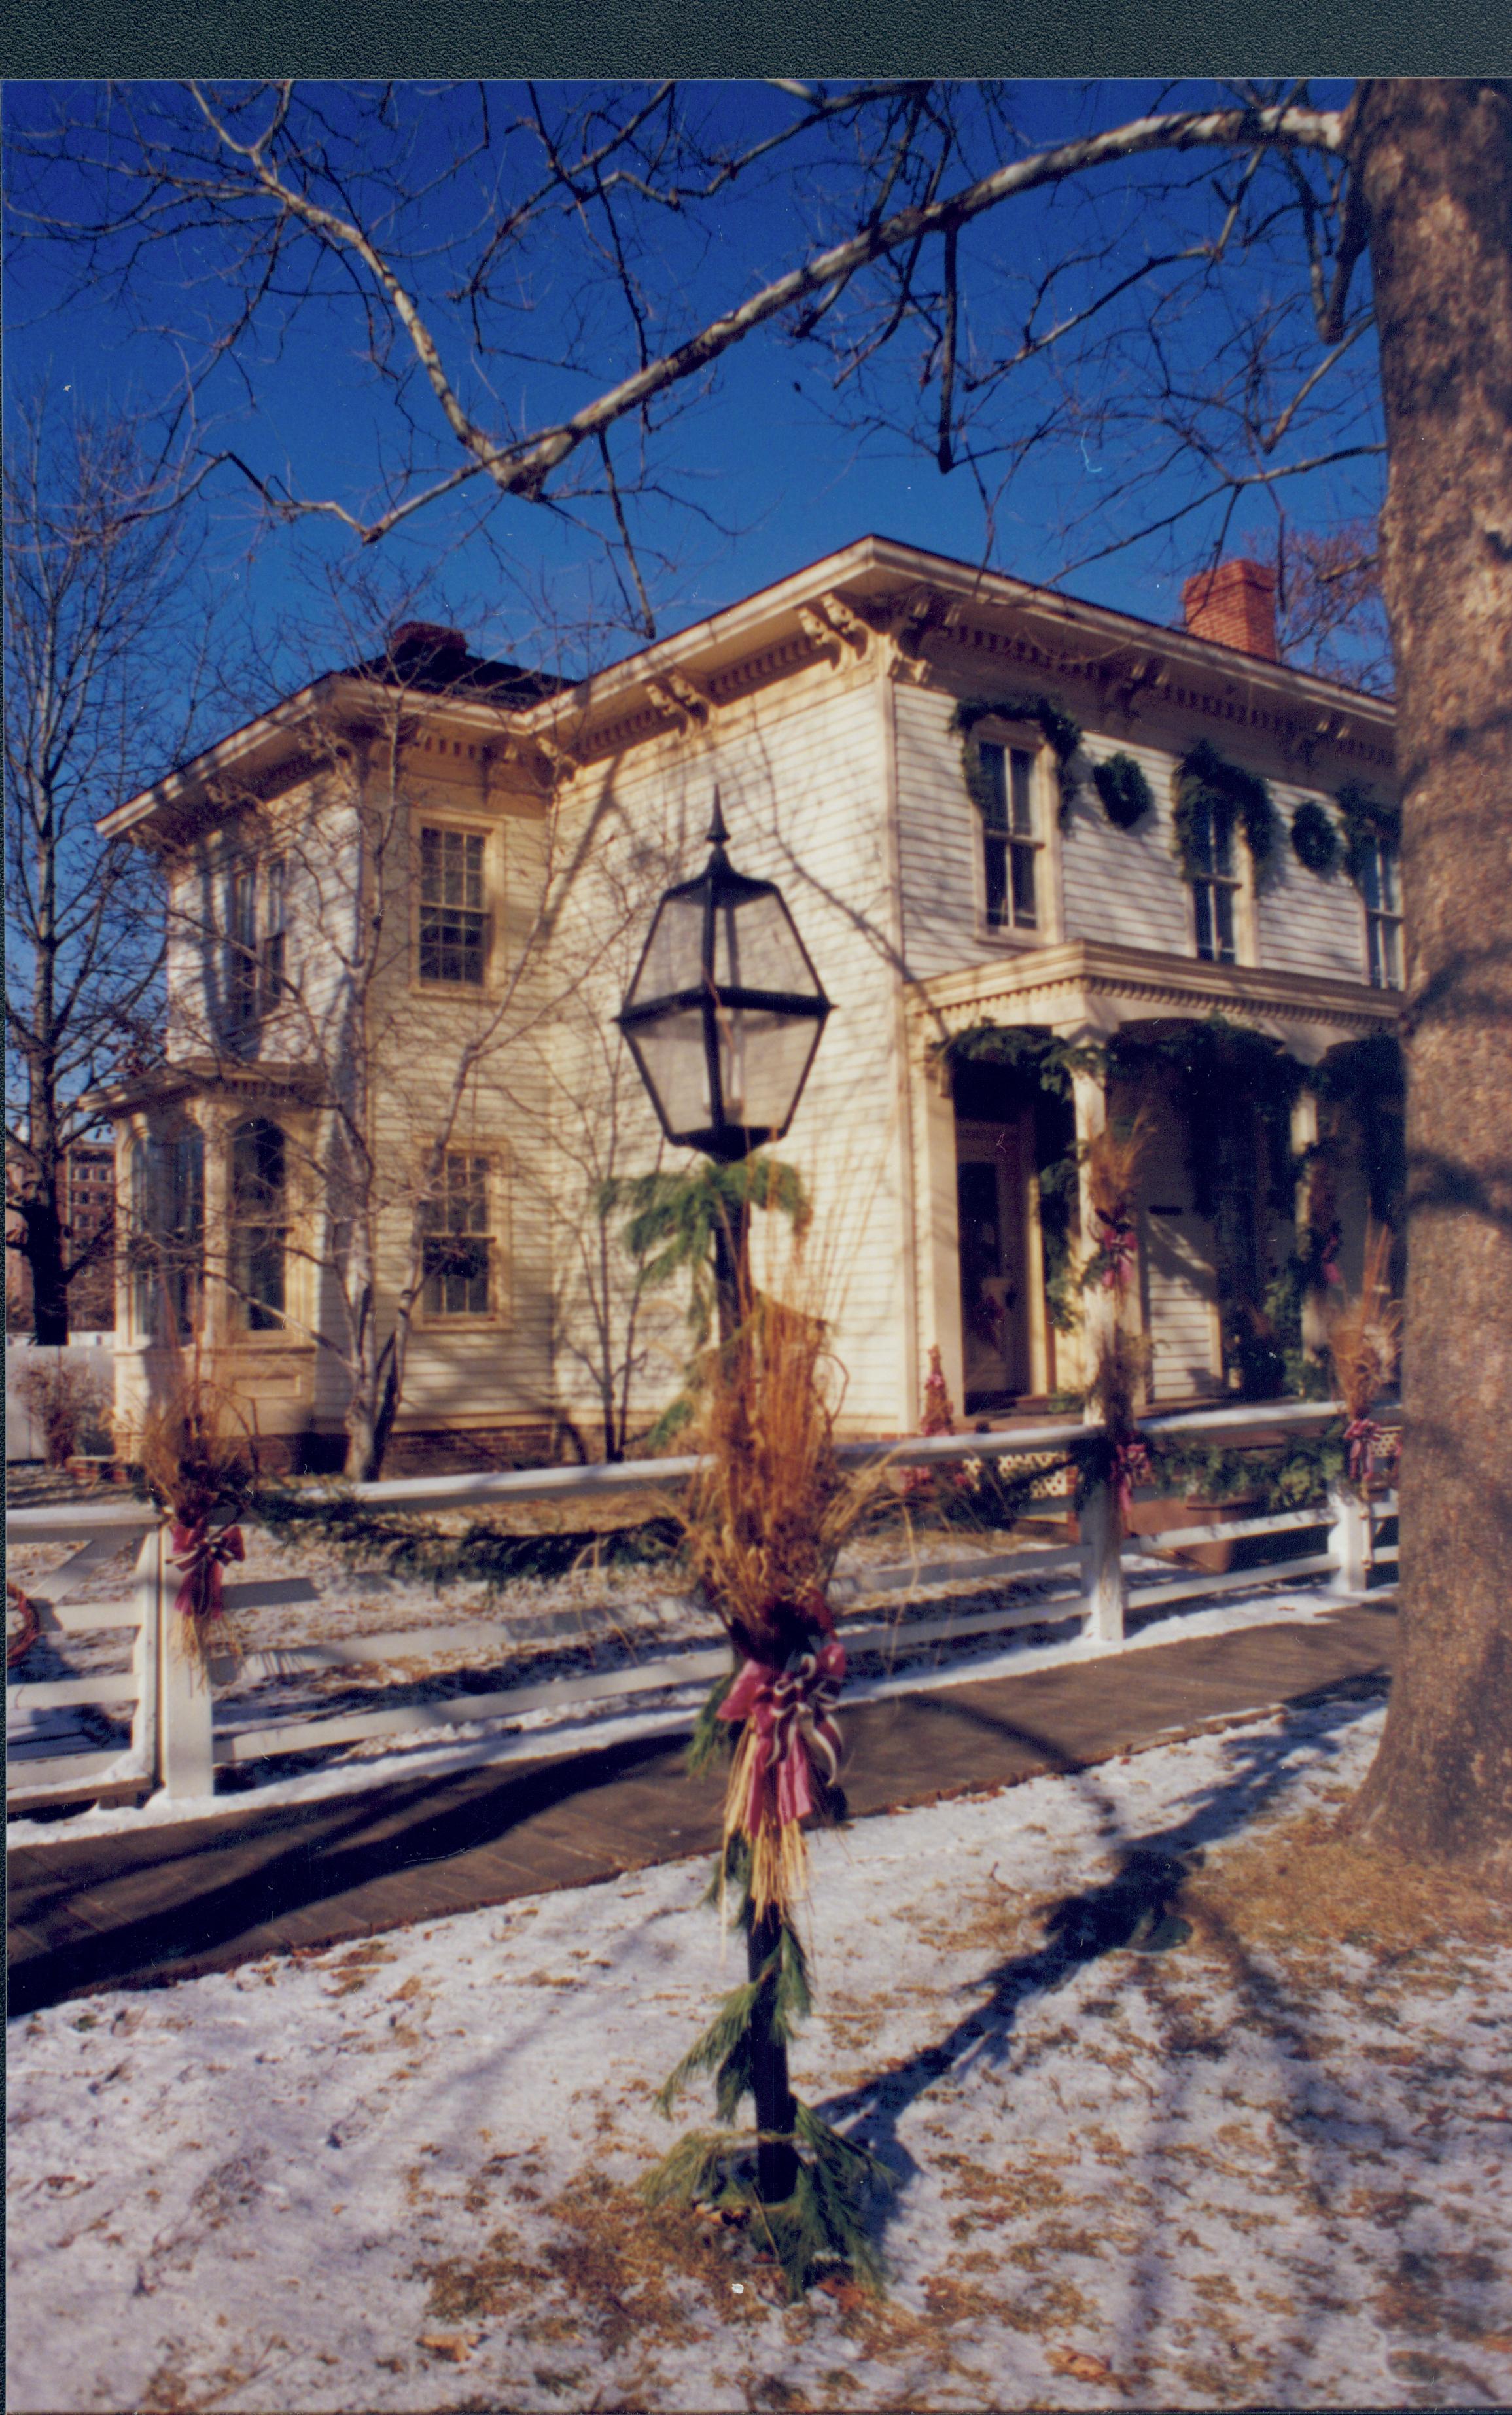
pixel 216 1077
pixel 1090 985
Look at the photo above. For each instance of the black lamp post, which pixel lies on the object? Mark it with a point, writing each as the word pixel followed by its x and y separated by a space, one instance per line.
pixel 723 1018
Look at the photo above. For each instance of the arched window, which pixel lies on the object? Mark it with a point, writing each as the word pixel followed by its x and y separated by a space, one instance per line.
pixel 139 1254
pixel 184 1251
pixel 260 1224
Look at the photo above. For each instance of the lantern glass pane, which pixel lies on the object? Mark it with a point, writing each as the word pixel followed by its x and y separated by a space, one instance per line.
pixel 674 955
pixel 755 947
pixel 671 1053
pixel 763 1060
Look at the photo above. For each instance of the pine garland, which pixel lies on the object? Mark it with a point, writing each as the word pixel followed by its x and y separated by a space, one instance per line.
pixel 826 2223
pixel 1062 735
pixel 1207 782
pixel 1366 817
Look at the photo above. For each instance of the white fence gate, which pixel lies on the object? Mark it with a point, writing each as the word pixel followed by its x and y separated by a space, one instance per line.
pixel 1096 1586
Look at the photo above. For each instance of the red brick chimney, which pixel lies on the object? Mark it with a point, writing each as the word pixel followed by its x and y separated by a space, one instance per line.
pixel 1233 605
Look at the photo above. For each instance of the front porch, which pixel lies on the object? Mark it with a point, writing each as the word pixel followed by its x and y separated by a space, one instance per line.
pixel 1262 1098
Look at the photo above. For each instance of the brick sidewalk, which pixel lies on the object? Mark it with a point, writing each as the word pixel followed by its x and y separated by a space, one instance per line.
pixel 163 1903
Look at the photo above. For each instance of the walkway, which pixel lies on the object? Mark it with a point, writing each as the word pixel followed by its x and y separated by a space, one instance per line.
pixel 165 1903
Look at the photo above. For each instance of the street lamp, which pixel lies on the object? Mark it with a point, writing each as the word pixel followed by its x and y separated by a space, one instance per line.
pixel 725 1011
pixel 723 1017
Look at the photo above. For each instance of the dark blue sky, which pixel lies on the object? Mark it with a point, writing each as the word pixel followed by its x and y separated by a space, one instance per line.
pixel 760 451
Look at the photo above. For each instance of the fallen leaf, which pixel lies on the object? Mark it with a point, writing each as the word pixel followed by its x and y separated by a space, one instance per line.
pixel 459 2345
pixel 1082 2367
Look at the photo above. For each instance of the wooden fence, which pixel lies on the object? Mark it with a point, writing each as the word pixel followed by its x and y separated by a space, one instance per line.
pixel 1094 1584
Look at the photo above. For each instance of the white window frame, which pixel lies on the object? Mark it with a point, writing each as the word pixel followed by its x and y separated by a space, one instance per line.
pixel 1018 836
pixel 1378 876
pixel 494 1234
pixel 1213 890
pixel 448 825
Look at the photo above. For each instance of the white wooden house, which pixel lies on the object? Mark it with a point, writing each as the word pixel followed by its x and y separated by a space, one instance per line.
pixel 912 748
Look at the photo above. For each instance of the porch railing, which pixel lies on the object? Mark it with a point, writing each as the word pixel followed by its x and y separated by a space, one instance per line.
pixel 1095 1585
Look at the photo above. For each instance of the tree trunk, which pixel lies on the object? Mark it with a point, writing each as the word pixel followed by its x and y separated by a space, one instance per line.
pixel 1432 165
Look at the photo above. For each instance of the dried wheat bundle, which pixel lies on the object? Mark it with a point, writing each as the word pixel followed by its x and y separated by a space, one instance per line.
pixel 1113 1161
pixel 200 1457
pixel 1364 1335
pixel 765 1519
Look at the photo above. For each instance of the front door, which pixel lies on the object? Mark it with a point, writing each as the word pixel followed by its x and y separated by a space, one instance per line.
pixel 990 1205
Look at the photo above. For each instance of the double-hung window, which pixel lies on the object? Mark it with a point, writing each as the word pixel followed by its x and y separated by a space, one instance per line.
pixel 1214 882
pixel 458 1247
pixel 1375 871
pixel 258 1225
pixel 454 914
pixel 1009 840
pixel 241 948
pixel 270 952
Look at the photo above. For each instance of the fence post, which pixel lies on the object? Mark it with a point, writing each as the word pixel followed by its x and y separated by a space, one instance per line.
pixel 147 1584
pixel 185 1754
pixel 1348 1540
pixel 1102 1565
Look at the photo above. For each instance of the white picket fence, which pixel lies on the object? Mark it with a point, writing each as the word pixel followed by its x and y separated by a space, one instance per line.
pixel 1095 1584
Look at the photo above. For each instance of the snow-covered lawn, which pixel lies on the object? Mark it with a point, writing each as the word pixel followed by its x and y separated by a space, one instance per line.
pixel 1270 2165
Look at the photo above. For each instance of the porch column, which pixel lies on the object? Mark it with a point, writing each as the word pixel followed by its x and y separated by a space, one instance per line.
pixel 1305 1135
pixel 939 1238
pixel 1089 1100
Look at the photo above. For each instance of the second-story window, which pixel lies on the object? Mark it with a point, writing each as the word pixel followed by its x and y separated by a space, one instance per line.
pixel 457 1246
pixel 454 917
pixel 1214 881
pixel 271 967
pixel 241 948
pixel 1375 871
pixel 1009 841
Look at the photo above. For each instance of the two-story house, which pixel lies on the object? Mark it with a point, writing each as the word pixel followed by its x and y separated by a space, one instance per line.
pixel 406 903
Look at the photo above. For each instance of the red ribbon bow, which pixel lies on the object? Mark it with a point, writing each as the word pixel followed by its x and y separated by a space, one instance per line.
pixel 1361 1436
pixel 790 1712
pixel 1129 1465
pixel 1116 1240
pixel 202 1556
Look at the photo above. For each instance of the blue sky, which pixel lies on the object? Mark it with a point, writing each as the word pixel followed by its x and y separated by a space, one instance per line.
pixel 760 450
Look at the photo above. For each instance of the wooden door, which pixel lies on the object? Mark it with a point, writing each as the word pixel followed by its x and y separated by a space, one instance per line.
pixel 991 1205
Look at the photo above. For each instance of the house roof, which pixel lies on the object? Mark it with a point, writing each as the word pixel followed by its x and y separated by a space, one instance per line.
pixel 891 586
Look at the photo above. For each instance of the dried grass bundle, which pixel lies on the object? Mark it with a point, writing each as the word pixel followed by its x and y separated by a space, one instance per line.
pixel 769 1514
pixel 1113 1163
pixel 1364 1332
pixel 199 1456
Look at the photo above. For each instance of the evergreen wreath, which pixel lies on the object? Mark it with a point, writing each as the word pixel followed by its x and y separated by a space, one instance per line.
pixel 1125 793
pixel 1062 735
pixel 1315 840
pixel 1365 818
pixel 1206 780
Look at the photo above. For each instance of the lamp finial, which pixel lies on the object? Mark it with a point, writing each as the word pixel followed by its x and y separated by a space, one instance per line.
pixel 718 833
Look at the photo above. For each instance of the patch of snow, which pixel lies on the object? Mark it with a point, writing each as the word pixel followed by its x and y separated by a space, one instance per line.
pixel 400 2175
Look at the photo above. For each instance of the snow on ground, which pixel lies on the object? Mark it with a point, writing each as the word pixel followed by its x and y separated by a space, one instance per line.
pixel 1268 2166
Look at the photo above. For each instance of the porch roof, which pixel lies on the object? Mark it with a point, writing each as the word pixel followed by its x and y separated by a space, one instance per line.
pixel 1087 987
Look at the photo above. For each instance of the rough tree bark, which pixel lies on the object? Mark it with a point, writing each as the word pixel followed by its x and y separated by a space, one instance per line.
pixel 1432 166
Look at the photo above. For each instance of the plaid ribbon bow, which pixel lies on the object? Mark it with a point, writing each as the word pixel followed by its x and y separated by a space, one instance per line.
pixel 1115 1238
pixel 202 1555
pixel 1360 1438
pixel 790 1710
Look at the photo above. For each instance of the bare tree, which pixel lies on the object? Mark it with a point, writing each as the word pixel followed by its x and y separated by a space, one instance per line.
pixel 1213 304
pixel 100 679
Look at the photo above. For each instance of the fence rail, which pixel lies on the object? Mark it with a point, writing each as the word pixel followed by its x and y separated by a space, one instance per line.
pixel 1098 1583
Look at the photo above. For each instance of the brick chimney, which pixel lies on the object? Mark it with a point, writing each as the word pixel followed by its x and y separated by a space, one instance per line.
pixel 1233 605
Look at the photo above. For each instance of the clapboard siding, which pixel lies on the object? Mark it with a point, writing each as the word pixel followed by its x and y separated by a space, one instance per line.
pixel 1307 925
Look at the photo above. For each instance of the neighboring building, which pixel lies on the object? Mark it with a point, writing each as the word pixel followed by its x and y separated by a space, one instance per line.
pixel 894 739
pixel 88 1205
